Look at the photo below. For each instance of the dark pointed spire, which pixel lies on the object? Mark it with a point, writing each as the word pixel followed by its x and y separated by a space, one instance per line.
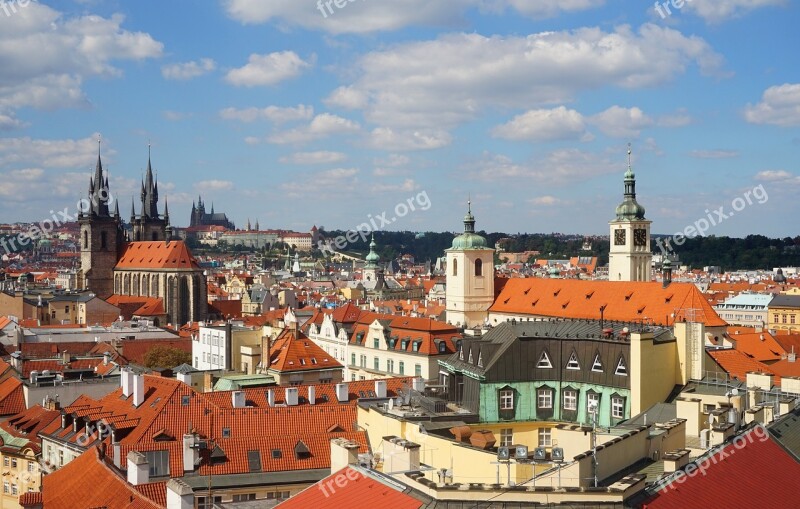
pixel 133 211
pixel 149 191
pixel 99 194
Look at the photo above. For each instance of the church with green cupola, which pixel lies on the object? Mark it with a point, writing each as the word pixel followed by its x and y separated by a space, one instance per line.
pixel 630 257
pixel 470 277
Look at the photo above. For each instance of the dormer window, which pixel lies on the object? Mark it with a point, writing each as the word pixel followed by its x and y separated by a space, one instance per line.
pixel 573 363
pixel 544 361
pixel 480 359
pixel 621 370
pixel 597 365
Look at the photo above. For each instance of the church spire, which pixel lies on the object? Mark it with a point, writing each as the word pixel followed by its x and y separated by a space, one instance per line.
pixel 630 209
pixel 98 189
pixel 149 191
pixel 469 219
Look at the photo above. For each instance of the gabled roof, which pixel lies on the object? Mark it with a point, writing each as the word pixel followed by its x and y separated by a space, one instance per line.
pixel 173 254
pixel 359 489
pixel 622 301
pixel 90 480
pixel 760 346
pixel 288 353
pixel 754 470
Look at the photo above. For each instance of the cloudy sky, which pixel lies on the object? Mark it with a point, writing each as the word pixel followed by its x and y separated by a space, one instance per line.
pixel 293 113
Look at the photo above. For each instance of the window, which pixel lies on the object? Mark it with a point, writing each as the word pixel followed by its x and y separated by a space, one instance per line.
pixel 545 437
pixel 592 402
pixel 442 347
pixel 353 377
pixel 470 357
pixel 352 359
pixel 6 487
pixel 783 318
pixel 545 398
pixel 597 365
pixel 415 346
pixel 418 370
pixel 544 361
pixel 13 462
pixel 185 400
pixel 5 461
pixel 507 399
pixel 402 368
pixel 376 343
pixel 364 361
pixel 506 437
pixel 158 462
pixel 709 408
pixel 617 407
pixel 14 489
pixel 480 359
pixel 570 400
pixel 621 369
pixel 791 319
pixel 573 363
pixel 389 365
pixel 461 353
pixel 207 503
pixel 455 267
pixel 31 466
pixel 478 267
pixel 226 432
pixel 244 497
pixel 377 364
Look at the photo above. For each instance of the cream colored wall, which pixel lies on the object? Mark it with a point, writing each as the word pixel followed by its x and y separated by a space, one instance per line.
pixel 240 338
pixel 653 371
pixel 790 384
pixel 691 410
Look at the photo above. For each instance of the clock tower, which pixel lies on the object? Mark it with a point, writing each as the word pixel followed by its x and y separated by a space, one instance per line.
pixel 630 257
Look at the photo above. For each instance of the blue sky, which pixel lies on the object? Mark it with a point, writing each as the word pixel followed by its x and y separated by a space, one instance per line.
pixel 279 114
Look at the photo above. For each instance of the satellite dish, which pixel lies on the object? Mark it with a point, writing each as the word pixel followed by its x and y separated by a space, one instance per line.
pixel 735 392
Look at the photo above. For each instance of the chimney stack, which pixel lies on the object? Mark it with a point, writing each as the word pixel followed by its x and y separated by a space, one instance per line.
pixel 312 395
pixel 138 469
pixel 380 388
pixel 191 454
pixel 138 389
pixel 342 393
pixel 238 399
pixel 126 378
pixel 271 397
pixel 291 396
pixel 179 495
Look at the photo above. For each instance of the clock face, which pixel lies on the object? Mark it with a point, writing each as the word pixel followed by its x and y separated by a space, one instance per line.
pixel 619 237
pixel 640 237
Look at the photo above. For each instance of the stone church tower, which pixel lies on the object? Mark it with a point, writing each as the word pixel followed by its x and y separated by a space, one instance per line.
pixel 470 277
pixel 101 236
pixel 149 225
pixel 630 257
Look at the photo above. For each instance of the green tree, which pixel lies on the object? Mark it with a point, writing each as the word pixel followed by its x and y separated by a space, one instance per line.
pixel 166 357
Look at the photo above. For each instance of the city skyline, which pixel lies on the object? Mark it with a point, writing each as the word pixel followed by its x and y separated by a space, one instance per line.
pixel 296 114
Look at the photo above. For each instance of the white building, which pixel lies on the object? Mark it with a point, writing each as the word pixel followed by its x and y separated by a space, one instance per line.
pixel 746 309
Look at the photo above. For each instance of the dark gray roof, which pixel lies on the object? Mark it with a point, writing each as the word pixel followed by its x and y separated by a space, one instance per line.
pixel 660 412
pixel 495 342
pixel 786 430
pixel 785 301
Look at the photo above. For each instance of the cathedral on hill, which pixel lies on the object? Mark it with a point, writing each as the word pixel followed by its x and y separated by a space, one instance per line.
pixel 145 262
pixel 201 218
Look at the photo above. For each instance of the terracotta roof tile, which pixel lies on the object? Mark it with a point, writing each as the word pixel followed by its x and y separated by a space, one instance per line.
pixel 157 255
pixel 12 398
pixel 738 364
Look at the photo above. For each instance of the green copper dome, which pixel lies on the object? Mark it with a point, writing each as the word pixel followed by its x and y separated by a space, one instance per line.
pixel 372 258
pixel 469 239
pixel 630 209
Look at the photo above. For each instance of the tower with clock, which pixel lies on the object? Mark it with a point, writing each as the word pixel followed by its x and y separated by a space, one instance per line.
pixel 630 258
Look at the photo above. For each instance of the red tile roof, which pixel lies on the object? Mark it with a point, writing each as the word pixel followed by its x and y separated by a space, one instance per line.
pixel 738 364
pixel 784 368
pixel 12 398
pixel 28 423
pixel 760 346
pixel 350 488
pixel 88 479
pixel 134 350
pixel 759 473
pixel 288 353
pixel 173 254
pixel 623 301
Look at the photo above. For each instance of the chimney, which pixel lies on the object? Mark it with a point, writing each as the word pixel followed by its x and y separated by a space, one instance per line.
pixel 138 469
pixel 271 397
pixel 106 358
pixel 179 495
pixel 127 382
pixel 191 454
pixel 291 396
pixel 185 378
pixel 138 389
pixel 342 393
pixel 418 384
pixel 238 399
pixel 380 388
pixel 343 453
pixel 312 394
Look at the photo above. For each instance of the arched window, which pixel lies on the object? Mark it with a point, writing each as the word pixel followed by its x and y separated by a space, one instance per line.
pixel 455 267
pixel 103 240
pixel 478 267
pixel 85 239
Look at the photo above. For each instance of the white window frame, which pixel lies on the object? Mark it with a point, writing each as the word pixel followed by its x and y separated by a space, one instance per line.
pixel 573 363
pixel 622 369
pixel 617 407
pixel 545 437
pixel 570 399
pixel 507 399
pixel 544 398
pixel 597 365
pixel 544 362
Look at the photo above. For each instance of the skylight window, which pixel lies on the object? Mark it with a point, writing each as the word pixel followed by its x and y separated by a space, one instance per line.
pixel 544 362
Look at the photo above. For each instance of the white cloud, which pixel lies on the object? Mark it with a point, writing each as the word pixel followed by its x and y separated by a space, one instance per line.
pixel 393 160
pixel 680 118
pixel 8 122
pixel 318 157
pixel 330 182
pixel 543 125
pixel 268 69
pixel 453 79
pixel 69 50
pixel 780 105
pixel 365 17
pixel 322 126
pixel 619 122
pixel 565 166
pixel 547 201
pixel 207 186
pixel 406 186
pixel 348 98
pixel 386 138
pixel 276 114
pixel 66 153
pixel 716 11
pixel 714 154
pixel 782 176
pixel 188 70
